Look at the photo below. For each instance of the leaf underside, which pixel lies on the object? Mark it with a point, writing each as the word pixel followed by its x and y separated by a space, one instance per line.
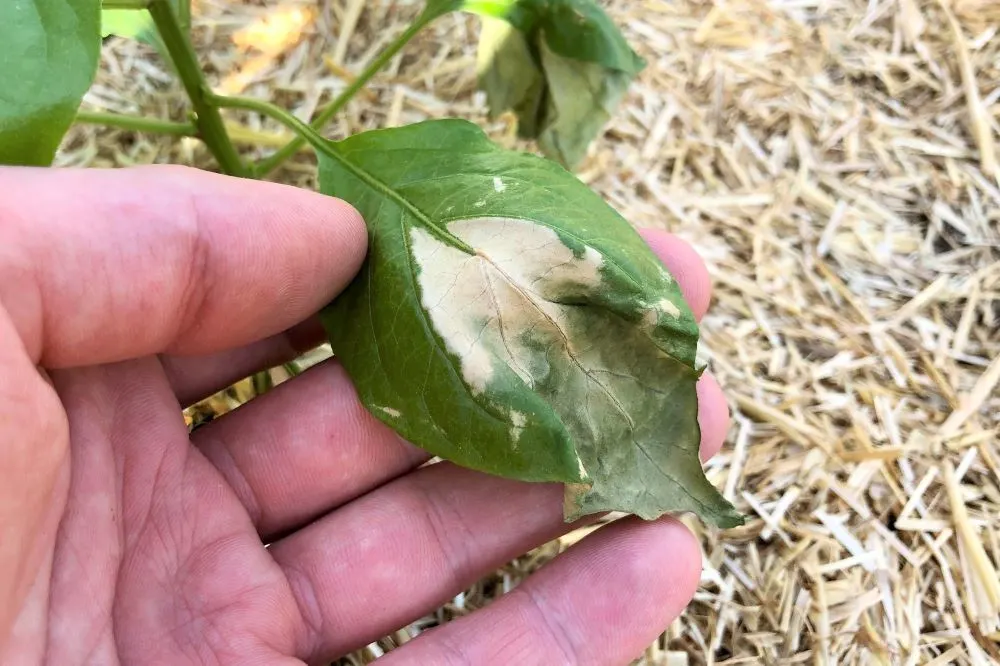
pixel 561 66
pixel 50 51
pixel 134 24
pixel 507 319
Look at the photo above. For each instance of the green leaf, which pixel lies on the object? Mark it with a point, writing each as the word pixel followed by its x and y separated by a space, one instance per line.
pixel 561 65
pixel 49 57
pixel 510 75
pixel 507 319
pixel 134 24
pixel 138 24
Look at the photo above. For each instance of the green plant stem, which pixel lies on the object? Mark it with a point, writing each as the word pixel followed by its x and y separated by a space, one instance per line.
pixel 126 4
pixel 306 132
pixel 210 126
pixel 274 161
pixel 137 123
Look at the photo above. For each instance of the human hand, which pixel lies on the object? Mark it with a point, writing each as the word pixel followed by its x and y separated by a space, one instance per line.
pixel 127 540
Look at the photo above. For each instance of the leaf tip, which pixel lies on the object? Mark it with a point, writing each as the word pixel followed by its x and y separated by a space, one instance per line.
pixel 728 519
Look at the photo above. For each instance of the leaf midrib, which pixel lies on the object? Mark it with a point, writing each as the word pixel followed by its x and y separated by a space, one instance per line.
pixel 390 193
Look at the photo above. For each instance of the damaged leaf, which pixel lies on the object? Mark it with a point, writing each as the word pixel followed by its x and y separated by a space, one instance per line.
pixel 134 24
pixel 509 320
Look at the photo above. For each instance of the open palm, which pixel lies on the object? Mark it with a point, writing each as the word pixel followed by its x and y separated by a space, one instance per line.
pixel 127 294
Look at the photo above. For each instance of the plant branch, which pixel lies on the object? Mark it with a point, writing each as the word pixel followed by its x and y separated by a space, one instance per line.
pixel 211 129
pixel 271 163
pixel 262 382
pixel 137 123
pixel 126 4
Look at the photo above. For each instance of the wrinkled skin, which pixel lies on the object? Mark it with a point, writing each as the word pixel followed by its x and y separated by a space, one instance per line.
pixel 127 294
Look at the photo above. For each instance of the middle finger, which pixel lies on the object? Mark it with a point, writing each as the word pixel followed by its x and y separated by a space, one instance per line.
pixel 309 446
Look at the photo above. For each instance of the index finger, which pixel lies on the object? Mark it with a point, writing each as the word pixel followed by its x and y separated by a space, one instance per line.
pixel 103 265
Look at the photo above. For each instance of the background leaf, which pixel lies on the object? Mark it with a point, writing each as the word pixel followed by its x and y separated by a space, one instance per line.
pixel 508 319
pixel 48 61
pixel 134 24
pixel 581 98
pixel 509 72
pixel 497 8
pixel 562 66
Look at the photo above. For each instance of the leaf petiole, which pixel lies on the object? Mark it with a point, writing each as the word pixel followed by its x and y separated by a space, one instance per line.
pixel 137 123
pixel 211 128
pixel 126 4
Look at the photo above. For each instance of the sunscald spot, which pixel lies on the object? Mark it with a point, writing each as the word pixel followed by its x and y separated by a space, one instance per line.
pixel 525 302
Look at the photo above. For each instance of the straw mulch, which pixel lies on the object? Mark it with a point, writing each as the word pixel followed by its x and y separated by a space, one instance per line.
pixel 836 164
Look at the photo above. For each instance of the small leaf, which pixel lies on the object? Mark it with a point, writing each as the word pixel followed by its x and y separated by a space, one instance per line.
pixel 49 59
pixel 507 319
pixel 134 24
pixel 508 71
pixel 561 65
pixel 138 25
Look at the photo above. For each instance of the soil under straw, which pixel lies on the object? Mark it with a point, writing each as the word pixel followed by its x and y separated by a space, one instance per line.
pixel 835 163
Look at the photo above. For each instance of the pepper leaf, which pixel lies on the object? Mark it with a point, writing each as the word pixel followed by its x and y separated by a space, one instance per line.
pixel 561 65
pixel 48 62
pixel 138 25
pixel 509 320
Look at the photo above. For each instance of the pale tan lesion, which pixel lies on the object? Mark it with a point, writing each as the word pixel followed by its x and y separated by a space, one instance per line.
pixel 453 283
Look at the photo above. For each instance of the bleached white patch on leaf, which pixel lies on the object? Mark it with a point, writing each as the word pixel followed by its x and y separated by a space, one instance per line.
pixel 389 411
pixel 478 302
pixel 498 184
pixel 668 308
